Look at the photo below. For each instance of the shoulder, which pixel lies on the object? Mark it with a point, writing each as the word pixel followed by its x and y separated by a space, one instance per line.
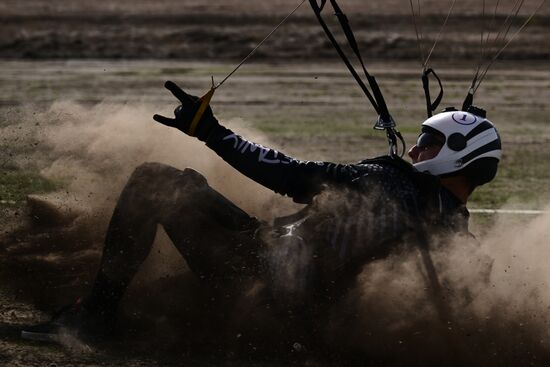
pixel 394 179
pixel 386 160
pixel 395 170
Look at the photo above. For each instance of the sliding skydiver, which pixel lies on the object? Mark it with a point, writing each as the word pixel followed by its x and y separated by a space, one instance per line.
pixel 354 213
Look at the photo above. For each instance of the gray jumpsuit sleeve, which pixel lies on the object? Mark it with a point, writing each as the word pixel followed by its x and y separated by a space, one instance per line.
pixel 301 180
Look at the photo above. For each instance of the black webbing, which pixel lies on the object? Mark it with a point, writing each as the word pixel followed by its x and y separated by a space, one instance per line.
pixel 317 10
pixel 344 22
pixel 385 121
pixel 431 106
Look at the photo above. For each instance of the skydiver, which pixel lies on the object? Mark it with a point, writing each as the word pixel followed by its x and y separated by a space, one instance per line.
pixel 354 213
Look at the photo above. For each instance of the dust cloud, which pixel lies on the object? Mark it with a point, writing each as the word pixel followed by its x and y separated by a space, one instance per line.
pixel 95 149
pixel 92 151
pixel 497 291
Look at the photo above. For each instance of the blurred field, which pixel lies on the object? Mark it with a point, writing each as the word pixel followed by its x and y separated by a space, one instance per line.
pixel 276 7
pixel 310 111
pixel 195 30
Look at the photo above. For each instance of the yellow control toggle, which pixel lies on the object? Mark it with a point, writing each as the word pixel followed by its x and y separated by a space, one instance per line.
pixel 205 101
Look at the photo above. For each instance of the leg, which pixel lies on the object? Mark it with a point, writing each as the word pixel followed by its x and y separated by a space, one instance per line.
pixel 215 237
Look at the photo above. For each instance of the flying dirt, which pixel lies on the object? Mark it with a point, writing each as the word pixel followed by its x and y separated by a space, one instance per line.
pixel 496 291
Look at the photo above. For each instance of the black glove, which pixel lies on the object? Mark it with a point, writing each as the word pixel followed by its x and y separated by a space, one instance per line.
pixel 186 112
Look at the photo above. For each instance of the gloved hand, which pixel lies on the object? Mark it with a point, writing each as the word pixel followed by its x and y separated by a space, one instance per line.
pixel 185 113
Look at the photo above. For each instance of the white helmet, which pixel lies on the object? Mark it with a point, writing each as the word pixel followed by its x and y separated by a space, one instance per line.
pixel 471 145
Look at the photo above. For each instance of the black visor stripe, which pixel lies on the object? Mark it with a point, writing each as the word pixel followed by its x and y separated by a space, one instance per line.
pixel 428 139
pixel 485 125
pixel 494 145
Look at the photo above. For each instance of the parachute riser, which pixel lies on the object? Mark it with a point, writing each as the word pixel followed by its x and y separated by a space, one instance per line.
pixel 384 120
pixel 431 106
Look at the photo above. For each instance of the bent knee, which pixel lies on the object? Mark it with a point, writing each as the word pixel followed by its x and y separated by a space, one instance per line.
pixel 149 171
pixel 194 176
pixel 163 173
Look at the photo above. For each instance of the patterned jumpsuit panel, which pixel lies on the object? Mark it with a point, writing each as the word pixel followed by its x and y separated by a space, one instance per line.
pixel 355 212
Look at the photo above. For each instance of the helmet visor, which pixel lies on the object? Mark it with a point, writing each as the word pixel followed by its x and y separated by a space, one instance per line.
pixel 427 139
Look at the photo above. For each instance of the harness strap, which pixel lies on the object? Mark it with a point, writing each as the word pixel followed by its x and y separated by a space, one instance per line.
pixel 431 106
pixel 344 22
pixel 469 100
pixel 384 121
pixel 317 10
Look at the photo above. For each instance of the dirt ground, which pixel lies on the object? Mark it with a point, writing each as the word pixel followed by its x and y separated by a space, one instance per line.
pixel 76 109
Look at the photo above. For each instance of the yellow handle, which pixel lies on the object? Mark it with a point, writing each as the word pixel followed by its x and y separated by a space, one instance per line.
pixel 205 101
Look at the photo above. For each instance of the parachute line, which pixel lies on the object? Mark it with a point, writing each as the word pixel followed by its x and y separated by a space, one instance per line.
pixel 259 45
pixel 416 14
pixel 440 33
pixel 478 79
pixel 419 43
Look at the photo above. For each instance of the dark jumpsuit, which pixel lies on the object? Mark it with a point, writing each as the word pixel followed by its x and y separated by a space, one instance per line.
pixel 354 213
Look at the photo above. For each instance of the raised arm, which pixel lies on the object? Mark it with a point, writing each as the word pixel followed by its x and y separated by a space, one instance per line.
pixel 301 180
